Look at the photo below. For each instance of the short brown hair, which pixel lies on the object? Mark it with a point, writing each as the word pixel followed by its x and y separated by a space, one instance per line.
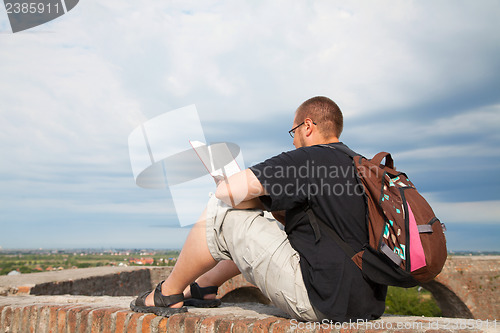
pixel 324 112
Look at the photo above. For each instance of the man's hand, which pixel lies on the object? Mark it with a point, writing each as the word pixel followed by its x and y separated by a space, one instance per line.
pixel 218 180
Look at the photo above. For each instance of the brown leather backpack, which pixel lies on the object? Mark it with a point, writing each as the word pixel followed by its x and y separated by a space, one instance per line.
pixel 406 240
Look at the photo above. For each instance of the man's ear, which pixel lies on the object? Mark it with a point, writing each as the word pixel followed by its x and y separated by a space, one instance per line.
pixel 308 124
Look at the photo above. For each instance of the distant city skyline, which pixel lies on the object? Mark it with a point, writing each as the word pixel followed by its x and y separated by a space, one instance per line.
pixel 417 79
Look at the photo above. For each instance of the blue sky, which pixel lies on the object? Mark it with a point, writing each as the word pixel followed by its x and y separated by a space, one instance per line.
pixel 420 79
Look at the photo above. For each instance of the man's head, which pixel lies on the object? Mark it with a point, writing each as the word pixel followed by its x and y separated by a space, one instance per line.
pixel 318 120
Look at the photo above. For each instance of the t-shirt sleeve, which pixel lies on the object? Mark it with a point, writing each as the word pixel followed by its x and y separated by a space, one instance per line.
pixel 285 179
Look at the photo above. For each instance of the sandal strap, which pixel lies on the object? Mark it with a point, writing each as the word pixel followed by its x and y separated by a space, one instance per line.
pixel 166 301
pixel 199 292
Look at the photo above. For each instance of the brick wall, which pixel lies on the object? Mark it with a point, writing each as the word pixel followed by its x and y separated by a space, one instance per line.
pixel 469 287
pixel 119 284
pixel 51 318
pixel 95 318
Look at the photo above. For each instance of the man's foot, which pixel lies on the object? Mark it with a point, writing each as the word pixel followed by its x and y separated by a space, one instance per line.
pixel 202 297
pixel 157 303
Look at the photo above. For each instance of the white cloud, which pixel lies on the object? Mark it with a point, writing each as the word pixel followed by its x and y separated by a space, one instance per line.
pixel 449 151
pixel 483 121
pixel 197 52
pixel 259 58
pixel 432 138
pixel 156 208
pixel 485 212
pixel 59 100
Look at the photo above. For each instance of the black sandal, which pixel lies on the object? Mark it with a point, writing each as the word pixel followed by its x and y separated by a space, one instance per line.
pixel 197 294
pixel 162 303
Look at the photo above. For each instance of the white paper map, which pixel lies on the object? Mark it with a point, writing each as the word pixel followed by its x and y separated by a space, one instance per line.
pixel 165 153
pixel 218 159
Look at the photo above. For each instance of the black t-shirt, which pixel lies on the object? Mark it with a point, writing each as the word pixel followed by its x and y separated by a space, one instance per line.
pixel 324 179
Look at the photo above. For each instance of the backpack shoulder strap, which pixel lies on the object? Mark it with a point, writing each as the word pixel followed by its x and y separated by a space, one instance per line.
pixel 343 148
pixel 317 223
pixel 377 159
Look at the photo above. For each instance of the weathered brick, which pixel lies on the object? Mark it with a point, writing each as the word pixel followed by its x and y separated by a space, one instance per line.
pixel 331 328
pixel 236 282
pixel 243 325
pixel 120 319
pixel 33 318
pixel 52 320
pixel 225 325
pixel 139 323
pixel 99 319
pixel 7 314
pixel 84 318
pixel 72 320
pixel 191 323
pixel 16 319
pixel 162 325
pixel 209 324
pixel 109 320
pixel 1 314
pixel 281 326
pixel 154 323
pixel 62 317
pixel 262 325
pixel 25 317
pixel 94 324
pixel 5 317
pixel 132 322
pixel 176 323
pixel 146 322
pixel 74 317
pixel 25 290
pixel 43 325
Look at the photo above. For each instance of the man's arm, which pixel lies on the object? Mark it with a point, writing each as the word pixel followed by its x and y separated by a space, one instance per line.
pixel 241 190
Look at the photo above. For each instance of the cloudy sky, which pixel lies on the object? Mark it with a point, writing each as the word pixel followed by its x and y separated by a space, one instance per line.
pixel 420 79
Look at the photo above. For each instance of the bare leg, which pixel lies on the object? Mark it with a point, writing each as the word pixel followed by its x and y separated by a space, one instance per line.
pixel 194 260
pixel 222 272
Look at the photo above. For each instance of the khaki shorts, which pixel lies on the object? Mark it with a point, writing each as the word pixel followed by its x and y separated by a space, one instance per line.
pixel 263 254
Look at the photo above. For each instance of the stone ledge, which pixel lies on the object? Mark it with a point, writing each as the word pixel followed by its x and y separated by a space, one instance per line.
pixel 95 281
pixel 102 281
pixel 112 314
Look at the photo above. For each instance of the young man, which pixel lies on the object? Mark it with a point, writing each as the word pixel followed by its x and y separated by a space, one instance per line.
pixel 301 270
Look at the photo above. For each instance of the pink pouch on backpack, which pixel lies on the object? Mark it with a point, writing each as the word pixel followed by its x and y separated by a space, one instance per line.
pixel 417 256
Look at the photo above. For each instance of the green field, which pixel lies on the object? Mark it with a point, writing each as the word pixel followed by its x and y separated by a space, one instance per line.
pixel 414 301
pixel 38 261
